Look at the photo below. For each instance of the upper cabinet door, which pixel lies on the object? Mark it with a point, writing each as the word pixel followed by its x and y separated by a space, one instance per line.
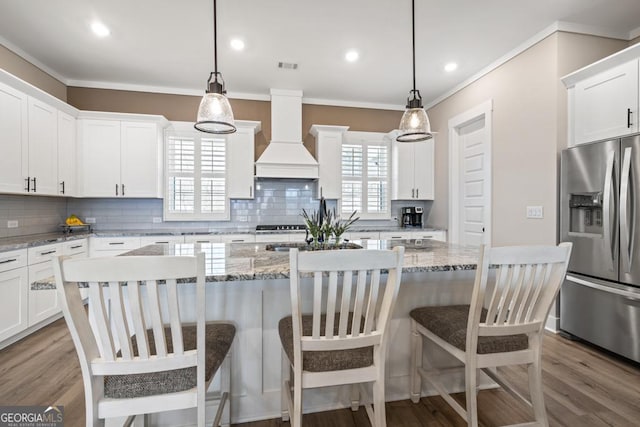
pixel 99 149
pixel 66 155
pixel 240 164
pixel 13 140
pixel 423 169
pixel 43 148
pixel 141 159
pixel 329 155
pixel 606 105
pixel 403 187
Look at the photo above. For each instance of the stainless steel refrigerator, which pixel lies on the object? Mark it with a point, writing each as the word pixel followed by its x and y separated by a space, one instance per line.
pixel 600 214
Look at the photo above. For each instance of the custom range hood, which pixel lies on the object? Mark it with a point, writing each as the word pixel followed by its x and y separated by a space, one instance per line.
pixel 286 156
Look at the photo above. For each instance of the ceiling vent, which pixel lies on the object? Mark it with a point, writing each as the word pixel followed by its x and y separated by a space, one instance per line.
pixel 287 65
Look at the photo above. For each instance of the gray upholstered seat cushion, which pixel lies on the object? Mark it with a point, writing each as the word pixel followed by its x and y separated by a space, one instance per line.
pixel 450 324
pixel 218 339
pixel 323 361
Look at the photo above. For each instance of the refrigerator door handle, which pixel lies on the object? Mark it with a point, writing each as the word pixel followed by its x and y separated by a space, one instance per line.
pixel 606 211
pixel 626 248
pixel 633 296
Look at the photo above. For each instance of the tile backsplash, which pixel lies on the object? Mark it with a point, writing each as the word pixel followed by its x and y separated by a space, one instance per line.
pixel 275 202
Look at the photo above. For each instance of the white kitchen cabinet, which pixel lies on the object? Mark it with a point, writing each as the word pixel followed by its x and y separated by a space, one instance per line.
pixel 43 303
pixel 160 240
pixel 329 156
pixel 120 158
pixel 43 148
pixel 13 139
pixel 396 235
pixel 440 235
pixel 361 235
pixel 14 295
pixel 78 248
pixel 606 105
pixel 240 160
pixel 66 154
pixel 412 170
pixel 112 246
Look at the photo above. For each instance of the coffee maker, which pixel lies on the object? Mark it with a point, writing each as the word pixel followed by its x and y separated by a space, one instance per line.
pixel 411 216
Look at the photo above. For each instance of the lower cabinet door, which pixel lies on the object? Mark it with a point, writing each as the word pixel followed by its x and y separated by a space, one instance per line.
pixel 13 302
pixel 42 303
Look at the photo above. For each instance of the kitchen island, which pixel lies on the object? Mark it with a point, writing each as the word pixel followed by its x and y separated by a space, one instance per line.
pixel 249 285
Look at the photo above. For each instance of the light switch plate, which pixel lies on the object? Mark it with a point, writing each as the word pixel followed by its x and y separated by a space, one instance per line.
pixel 90 220
pixel 157 220
pixel 535 212
pixel 12 223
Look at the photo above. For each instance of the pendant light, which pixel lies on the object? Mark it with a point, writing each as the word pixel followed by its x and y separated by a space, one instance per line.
pixel 214 113
pixel 414 125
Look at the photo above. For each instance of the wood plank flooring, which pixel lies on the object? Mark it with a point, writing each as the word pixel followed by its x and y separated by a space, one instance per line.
pixel 583 387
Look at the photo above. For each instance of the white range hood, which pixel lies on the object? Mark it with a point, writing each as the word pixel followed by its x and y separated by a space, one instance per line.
pixel 286 156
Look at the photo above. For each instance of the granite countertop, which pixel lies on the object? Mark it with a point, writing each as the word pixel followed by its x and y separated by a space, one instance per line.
pixel 28 241
pixel 250 261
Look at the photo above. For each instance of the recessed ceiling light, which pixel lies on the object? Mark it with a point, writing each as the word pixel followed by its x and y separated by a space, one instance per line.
pixel 237 44
pixel 99 29
pixel 451 66
pixel 352 56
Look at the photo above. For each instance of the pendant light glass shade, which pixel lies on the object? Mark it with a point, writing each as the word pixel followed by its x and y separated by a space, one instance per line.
pixel 214 113
pixel 414 125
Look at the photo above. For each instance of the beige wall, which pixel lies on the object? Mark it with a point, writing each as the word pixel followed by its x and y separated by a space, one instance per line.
pixel 28 72
pixel 529 130
pixel 180 107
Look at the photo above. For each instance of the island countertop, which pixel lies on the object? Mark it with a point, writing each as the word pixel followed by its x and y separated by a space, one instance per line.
pixel 227 262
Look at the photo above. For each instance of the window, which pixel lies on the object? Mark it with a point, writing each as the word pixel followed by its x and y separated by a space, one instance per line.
pixel 196 177
pixel 365 178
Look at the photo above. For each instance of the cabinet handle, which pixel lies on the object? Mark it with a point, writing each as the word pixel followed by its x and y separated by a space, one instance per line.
pixel 237 240
pixel 160 243
pixel 48 252
pixel 8 261
pixel 28 189
pixel 116 243
pixel 116 189
pixel 320 191
pixel 417 193
pixel 76 247
pixel 122 189
pixel 34 184
pixel 413 193
pixel 629 117
pixel 62 184
pixel 251 191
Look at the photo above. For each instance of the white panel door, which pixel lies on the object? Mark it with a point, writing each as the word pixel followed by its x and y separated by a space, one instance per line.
pixel 140 160
pixel 43 147
pixel 606 105
pixel 13 302
pixel 13 140
pixel 402 186
pixel 66 154
pixel 99 166
pixel 473 189
pixel 329 154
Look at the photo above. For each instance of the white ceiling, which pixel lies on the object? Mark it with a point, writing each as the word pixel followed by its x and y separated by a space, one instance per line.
pixel 167 45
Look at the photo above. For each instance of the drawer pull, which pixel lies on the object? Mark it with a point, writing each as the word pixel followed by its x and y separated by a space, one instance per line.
pixel 76 247
pixel 116 243
pixel 159 243
pixel 6 261
pixel 237 240
pixel 49 252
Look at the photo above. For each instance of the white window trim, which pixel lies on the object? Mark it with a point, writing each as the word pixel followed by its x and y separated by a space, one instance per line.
pixel 186 129
pixel 366 138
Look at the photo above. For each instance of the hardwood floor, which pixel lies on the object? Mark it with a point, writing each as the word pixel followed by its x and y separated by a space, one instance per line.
pixel 583 387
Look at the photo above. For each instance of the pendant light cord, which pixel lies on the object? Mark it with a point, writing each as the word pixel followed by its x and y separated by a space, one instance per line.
pixel 413 29
pixel 215 41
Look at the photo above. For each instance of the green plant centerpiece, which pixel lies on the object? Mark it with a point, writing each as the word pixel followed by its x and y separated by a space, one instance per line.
pixel 325 228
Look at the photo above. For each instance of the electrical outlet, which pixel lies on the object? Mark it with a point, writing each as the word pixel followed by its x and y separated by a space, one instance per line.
pixel 12 223
pixel 157 220
pixel 535 212
pixel 90 220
